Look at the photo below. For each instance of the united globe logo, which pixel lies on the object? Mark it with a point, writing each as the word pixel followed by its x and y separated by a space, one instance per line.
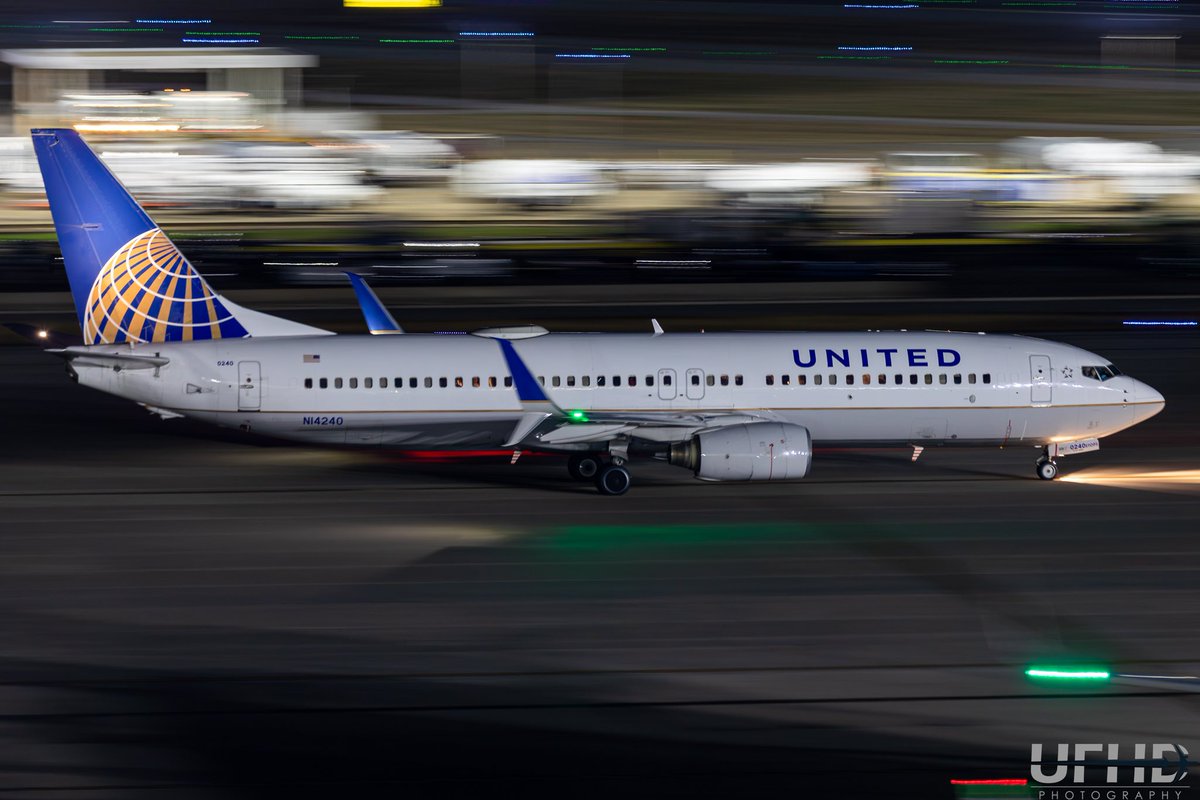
pixel 148 292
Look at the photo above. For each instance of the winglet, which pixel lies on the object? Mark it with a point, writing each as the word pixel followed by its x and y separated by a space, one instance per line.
pixel 658 329
pixel 529 391
pixel 379 321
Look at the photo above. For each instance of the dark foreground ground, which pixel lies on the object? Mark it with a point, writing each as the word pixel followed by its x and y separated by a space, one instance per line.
pixel 189 614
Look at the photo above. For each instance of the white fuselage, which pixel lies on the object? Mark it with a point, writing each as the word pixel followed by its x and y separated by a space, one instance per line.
pixel 454 391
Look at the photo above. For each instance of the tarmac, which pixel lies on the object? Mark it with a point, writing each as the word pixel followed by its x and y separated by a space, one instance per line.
pixel 193 613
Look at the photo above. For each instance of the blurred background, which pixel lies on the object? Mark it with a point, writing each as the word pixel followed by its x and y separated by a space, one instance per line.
pixel 966 143
pixel 194 613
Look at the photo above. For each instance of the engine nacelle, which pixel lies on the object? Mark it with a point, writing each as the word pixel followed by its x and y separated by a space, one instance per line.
pixel 756 451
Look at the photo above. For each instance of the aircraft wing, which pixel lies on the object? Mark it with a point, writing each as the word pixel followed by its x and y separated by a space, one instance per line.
pixel 664 427
pixel 546 423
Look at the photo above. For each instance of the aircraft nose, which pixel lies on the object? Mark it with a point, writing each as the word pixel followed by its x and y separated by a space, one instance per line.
pixel 1144 393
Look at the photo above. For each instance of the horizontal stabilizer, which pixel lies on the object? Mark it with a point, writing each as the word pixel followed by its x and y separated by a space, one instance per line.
pixel 87 357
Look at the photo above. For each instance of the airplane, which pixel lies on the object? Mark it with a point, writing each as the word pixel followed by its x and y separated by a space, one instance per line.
pixel 726 406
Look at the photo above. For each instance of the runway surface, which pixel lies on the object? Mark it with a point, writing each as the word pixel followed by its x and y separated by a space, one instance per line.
pixel 188 613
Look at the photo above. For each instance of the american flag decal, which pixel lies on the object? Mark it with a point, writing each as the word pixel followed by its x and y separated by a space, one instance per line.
pixel 312 358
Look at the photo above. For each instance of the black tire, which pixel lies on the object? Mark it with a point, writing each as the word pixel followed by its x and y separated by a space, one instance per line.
pixel 583 467
pixel 613 480
pixel 1047 470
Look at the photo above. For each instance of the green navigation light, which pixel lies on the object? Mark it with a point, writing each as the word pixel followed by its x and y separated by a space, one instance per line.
pixel 1069 674
pixel 579 416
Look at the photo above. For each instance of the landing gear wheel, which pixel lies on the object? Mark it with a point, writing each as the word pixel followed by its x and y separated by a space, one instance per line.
pixel 583 468
pixel 1047 470
pixel 613 480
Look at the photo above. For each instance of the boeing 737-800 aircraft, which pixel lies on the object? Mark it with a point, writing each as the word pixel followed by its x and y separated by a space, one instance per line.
pixel 727 406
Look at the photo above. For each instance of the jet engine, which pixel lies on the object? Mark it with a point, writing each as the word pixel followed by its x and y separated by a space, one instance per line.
pixel 755 451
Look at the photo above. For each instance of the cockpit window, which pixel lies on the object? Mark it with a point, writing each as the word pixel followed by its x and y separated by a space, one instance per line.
pixel 1101 373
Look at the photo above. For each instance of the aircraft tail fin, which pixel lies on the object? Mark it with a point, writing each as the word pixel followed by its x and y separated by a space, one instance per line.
pixel 130 283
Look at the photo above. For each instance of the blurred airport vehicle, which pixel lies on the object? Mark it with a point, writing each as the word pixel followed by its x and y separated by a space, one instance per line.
pixel 398 156
pixel 799 183
pixel 212 174
pixel 533 182
pixel 1137 170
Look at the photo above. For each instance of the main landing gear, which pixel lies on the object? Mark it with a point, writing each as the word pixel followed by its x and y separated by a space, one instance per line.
pixel 611 478
pixel 1047 470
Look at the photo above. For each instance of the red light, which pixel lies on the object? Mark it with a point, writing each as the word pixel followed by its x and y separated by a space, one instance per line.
pixel 991 782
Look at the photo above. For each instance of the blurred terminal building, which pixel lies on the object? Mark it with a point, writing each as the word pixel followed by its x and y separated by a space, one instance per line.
pixel 109 86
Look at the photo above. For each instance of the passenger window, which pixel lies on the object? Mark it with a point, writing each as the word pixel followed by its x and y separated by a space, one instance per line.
pixel 849 380
pixel 633 380
pixel 957 378
pixel 308 383
pixel 354 383
pixel 337 383
pixel 443 382
pixel 695 380
pixel 587 380
pixel 475 382
pixel 866 379
pixel 616 380
pixel 324 383
pixel 429 383
pixel 649 380
pixel 987 377
pixel 570 380
pixel 710 379
pixel 801 380
pixel 899 380
pixel 383 383
pixel 724 380
pixel 928 379
pixel 882 379
pixel 398 383
pixel 817 379
pixel 556 381
pixel 599 380
pixel 542 380
pixel 770 380
pixel 942 377
pixel 369 383
pixel 971 377
pixel 737 379
pixel 412 383
pixel 912 379
pixel 666 380
pixel 491 381
pixel 507 381
pixel 833 380
pixel 786 380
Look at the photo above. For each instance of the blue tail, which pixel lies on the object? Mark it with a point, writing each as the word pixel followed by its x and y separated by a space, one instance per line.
pixel 130 283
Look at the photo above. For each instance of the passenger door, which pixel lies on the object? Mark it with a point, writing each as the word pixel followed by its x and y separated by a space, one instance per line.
pixel 695 384
pixel 666 384
pixel 249 386
pixel 1041 390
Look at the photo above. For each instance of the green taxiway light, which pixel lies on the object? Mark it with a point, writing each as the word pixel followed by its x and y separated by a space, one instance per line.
pixel 1069 674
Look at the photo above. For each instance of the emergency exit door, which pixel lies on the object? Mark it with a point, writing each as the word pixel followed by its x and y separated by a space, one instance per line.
pixel 1041 389
pixel 249 386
